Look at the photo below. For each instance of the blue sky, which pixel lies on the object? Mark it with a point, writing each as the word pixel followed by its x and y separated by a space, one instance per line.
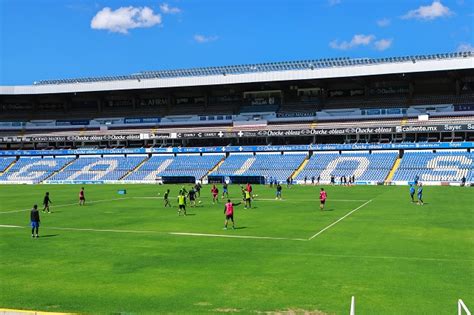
pixel 52 39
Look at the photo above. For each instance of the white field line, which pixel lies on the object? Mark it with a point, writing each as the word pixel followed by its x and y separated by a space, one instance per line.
pixel 158 232
pixel 340 219
pixel 237 236
pixel 67 204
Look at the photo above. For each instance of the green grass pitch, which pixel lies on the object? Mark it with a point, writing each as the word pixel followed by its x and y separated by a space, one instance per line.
pixel 129 254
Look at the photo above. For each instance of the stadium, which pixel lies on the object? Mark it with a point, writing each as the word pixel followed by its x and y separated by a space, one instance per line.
pixel 106 149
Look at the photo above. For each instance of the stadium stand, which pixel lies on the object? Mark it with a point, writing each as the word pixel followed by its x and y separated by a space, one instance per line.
pixel 98 168
pixel 182 165
pixel 279 166
pixel 364 166
pixel 34 169
pixel 5 162
pixel 450 166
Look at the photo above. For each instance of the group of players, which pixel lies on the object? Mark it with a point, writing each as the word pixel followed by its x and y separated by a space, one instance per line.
pixel 35 216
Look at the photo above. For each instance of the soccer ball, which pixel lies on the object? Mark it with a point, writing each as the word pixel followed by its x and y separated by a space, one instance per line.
pixel 159 194
pixel 255 196
pixel 199 201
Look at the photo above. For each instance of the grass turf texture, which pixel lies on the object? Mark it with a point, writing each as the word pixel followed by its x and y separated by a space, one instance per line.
pixel 394 256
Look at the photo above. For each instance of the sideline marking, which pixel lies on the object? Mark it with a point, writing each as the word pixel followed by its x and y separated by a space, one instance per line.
pixel 66 205
pixel 340 219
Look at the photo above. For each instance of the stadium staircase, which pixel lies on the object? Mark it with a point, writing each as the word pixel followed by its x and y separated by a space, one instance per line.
pixel 245 167
pixel 214 168
pixel 393 170
pixel 300 168
pixel 8 167
pixel 133 170
pixel 60 170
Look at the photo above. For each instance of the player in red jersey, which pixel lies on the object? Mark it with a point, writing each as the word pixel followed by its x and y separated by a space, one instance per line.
pixel 82 198
pixel 229 213
pixel 322 198
pixel 215 193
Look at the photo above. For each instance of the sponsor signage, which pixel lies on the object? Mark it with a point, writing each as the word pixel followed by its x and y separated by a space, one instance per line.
pixel 225 149
pixel 249 133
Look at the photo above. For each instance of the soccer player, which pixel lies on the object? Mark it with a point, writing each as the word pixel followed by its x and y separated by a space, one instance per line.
pixel 322 198
pixel 318 180
pixel 416 179
pixel 181 203
pixel 305 179
pixel 278 192
pixel 249 188
pixel 229 213
pixel 312 180
pixel 166 198
pixel 248 199
pixel 225 190
pixel 412 193
pixel 82 198
pixel 192 197
pixel 333 180
pixel 46 202
pixel 35 221
pixel 420 194
pixel 215 194
pixel 197 188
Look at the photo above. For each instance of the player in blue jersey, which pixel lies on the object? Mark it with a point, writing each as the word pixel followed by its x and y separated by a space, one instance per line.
pixel 420 194
pixel 412 192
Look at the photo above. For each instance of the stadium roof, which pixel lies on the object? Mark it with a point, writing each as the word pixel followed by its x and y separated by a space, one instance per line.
pixel 263 72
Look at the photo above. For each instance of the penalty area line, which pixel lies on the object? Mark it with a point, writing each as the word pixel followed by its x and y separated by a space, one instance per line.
pixel 340 219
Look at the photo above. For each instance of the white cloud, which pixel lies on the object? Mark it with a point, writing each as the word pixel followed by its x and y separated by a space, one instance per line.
pixel 166 9
pixel 465 47
pixel 334 2
pixel 201 39
pixel 383 22
pixel 429 12
pixel 124 19
pixel 383 44
pixel 357 40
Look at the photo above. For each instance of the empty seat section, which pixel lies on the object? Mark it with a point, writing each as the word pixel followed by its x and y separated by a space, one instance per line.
pixel 363 165
pixel 181 165
pixel 34 169
pixel 441 166
pixel 268 165
pixel 87 168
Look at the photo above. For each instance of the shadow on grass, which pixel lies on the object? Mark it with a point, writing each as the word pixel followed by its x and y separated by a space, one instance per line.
pixel 49 235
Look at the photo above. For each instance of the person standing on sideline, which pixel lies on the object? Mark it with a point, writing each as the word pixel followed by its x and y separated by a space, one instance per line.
pixel 420 194
pixel 229 213
pixel 322 198
pixel 278 192
pixel 82 197
pixel 46 202
pixel 412 193
pixel 166 198
pixel 35 221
